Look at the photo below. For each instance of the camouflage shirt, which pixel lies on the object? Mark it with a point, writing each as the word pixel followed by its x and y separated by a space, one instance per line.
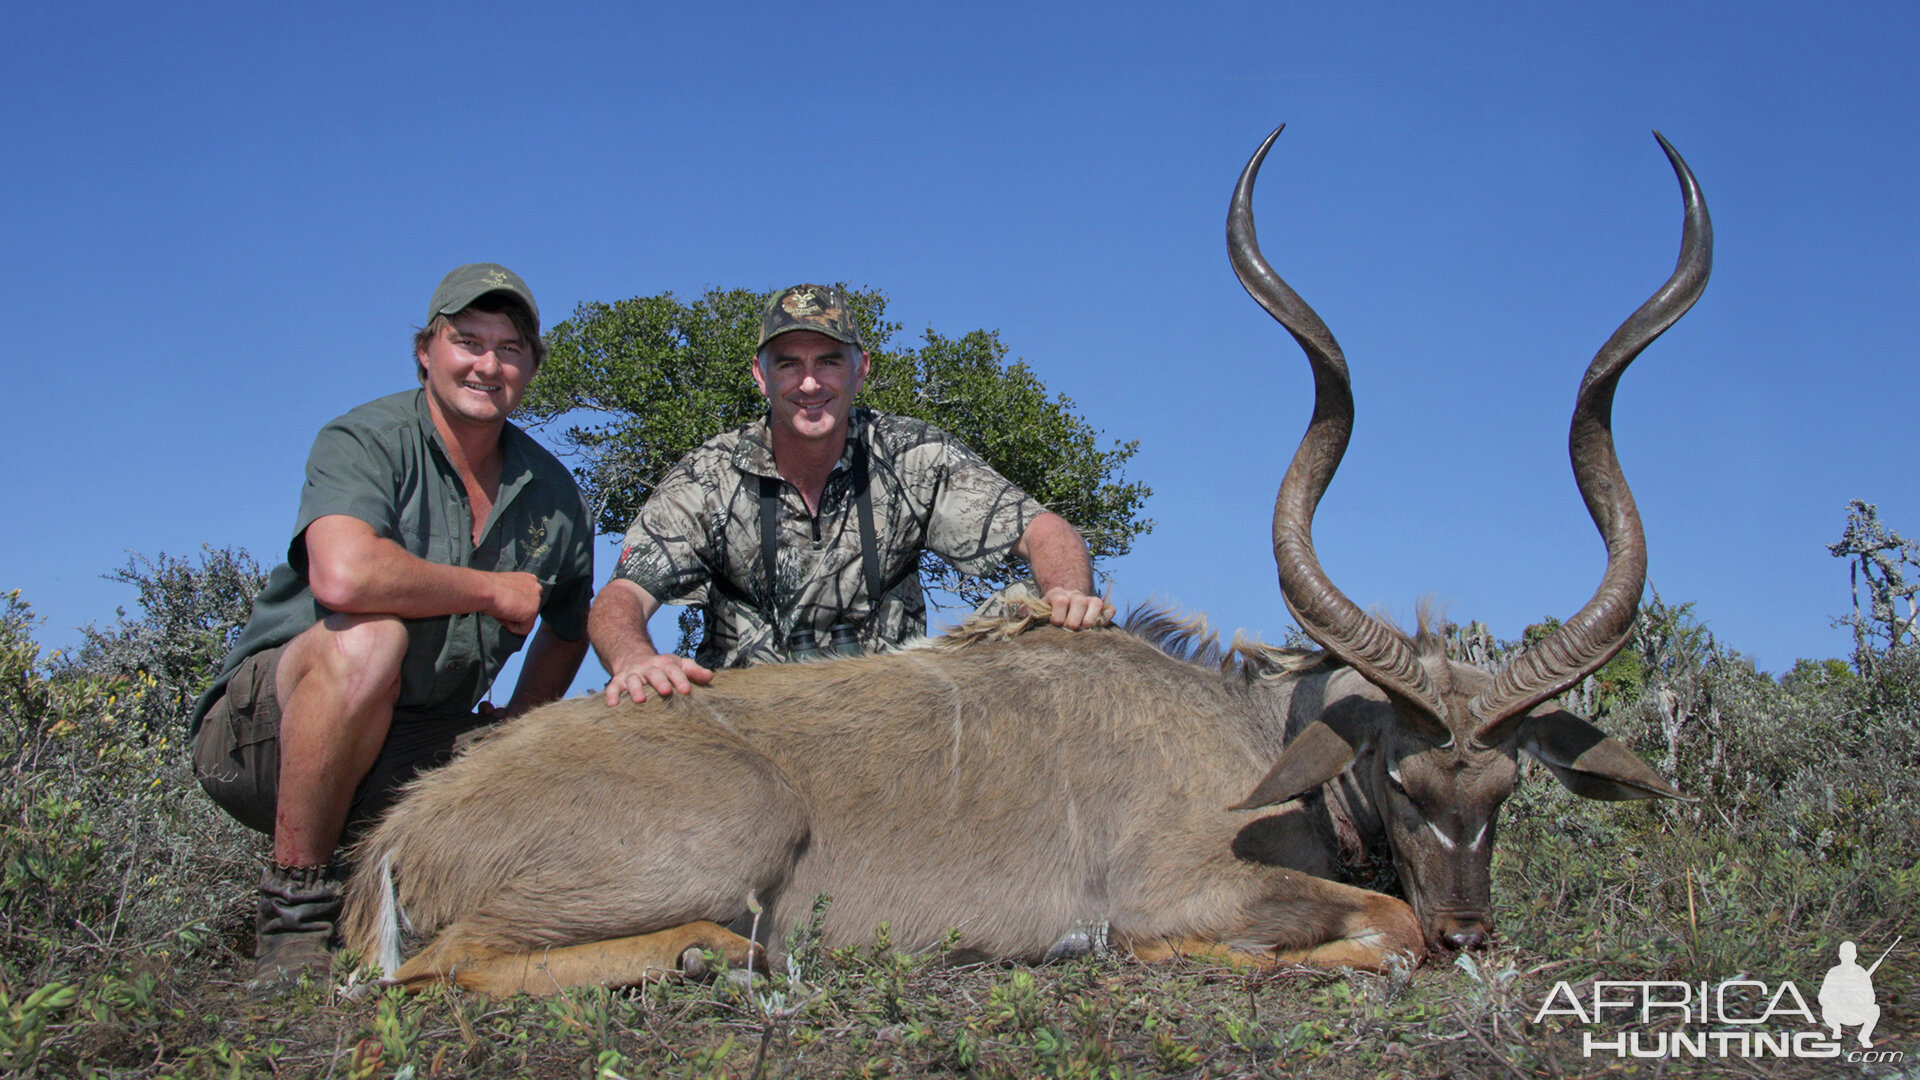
pixel 698 542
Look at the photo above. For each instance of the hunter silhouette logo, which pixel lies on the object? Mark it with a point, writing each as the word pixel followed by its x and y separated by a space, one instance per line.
pixel 1738 1017
pixel 1846 994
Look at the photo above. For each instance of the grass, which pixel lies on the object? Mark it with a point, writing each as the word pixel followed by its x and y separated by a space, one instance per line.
pixel 872 1012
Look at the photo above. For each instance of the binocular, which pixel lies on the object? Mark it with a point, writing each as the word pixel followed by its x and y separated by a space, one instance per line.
pixel 804 645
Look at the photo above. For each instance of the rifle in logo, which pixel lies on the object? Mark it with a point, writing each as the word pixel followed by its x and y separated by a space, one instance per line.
pixel 1846 994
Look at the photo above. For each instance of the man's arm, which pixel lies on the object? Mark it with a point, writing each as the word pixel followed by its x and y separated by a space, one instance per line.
pixel 618 628
pixel 552 662
pixel 356 571
pixel 1063 571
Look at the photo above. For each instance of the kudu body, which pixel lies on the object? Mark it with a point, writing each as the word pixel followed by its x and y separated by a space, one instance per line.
pixel 1014 786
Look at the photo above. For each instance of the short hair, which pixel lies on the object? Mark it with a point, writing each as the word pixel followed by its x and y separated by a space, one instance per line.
pixel 499 303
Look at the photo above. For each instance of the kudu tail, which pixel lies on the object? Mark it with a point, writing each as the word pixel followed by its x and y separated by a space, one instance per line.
pixel 373 916
pixel 387 926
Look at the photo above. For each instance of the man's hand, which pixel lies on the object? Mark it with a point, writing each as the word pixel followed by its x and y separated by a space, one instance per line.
pixel 516 601
pixel 618 627
pixel 1063 572
pixel 1076 610
pixel 664 673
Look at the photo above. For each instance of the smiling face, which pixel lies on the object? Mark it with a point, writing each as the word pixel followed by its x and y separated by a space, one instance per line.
pixel 476 368
pixel 809 380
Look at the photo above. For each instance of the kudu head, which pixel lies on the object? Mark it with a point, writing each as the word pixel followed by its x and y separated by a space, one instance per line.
pixel 1435 749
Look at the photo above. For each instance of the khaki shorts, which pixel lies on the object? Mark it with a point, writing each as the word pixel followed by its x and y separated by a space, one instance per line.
pixel 236 752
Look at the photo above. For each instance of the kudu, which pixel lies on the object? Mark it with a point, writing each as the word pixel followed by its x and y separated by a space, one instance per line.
pixel 1015 787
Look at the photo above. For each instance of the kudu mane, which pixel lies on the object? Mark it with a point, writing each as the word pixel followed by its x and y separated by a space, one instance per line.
pixel 1189 638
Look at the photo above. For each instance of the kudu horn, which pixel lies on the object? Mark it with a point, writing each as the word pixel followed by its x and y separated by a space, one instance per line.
pixel 1378 651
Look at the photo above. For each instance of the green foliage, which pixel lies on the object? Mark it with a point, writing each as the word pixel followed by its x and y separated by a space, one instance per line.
pixel 104 833
pixel 1816 676
pixel 1015 1004
pixel 108 849
pixel 23 1025
pixel 641 382
pixel 189 618
pixel 50 848
pixel 1172 1055
pixel 52 854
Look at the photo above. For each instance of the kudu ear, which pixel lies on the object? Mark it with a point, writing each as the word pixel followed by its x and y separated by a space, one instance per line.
pixel 1311 758
pixel 1590 764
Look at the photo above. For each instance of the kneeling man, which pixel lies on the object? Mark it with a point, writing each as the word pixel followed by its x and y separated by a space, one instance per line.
pixel 432 534
pixel 805 528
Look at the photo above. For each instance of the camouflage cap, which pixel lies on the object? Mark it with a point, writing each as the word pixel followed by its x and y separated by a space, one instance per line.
pixel 471 282
pixel 820 308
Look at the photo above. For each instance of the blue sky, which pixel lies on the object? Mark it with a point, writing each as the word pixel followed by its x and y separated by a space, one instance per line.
pixel 222 222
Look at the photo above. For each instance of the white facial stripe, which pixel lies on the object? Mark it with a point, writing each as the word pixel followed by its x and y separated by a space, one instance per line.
pixel 1445 841
pixel 1477 837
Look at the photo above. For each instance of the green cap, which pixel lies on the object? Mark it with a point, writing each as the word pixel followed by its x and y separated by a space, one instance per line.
pixel 471 282
pixel 822 309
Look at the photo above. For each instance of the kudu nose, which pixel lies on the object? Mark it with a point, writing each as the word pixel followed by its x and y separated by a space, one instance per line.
pixel 1466 939
pixel 1460 933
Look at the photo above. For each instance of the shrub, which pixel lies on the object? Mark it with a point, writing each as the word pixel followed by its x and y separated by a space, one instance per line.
pixel 1802 835
pixel 189 618
pixel 109 843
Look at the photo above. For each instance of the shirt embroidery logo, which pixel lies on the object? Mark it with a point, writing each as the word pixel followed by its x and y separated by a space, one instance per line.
pixel 537 544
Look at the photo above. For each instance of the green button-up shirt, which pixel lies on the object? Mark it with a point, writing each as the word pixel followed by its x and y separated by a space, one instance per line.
pixel 385 464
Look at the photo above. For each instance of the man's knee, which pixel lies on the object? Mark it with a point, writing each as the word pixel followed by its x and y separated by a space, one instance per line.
pixel 367 636
pixel 359 656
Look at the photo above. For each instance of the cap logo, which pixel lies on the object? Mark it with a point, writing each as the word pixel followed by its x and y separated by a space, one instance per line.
pixel 496 277
pixel 801 305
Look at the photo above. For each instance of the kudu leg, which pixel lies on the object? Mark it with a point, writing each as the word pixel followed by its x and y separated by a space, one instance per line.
pixel 1301 919
pixel 627 961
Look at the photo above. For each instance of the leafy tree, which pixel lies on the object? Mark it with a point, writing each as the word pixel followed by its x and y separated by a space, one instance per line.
pixel 641 382
pixel 1813 676
pixel 190 616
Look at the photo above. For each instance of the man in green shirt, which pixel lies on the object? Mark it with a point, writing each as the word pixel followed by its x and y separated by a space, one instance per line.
pixel 432 535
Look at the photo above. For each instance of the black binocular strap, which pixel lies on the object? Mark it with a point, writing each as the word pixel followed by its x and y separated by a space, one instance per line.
pixel 869 539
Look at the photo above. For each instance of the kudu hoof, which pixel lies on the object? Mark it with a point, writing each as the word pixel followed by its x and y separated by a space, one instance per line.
pixel 693 963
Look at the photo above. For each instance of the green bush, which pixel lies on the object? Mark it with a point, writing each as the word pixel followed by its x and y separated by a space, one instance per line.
pixel 189 618
pixel 114 868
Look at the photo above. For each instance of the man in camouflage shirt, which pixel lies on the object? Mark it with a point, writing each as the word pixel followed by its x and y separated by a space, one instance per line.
pixel 828 473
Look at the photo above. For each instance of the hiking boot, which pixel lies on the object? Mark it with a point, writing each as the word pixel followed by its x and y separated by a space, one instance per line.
pixel 293 928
